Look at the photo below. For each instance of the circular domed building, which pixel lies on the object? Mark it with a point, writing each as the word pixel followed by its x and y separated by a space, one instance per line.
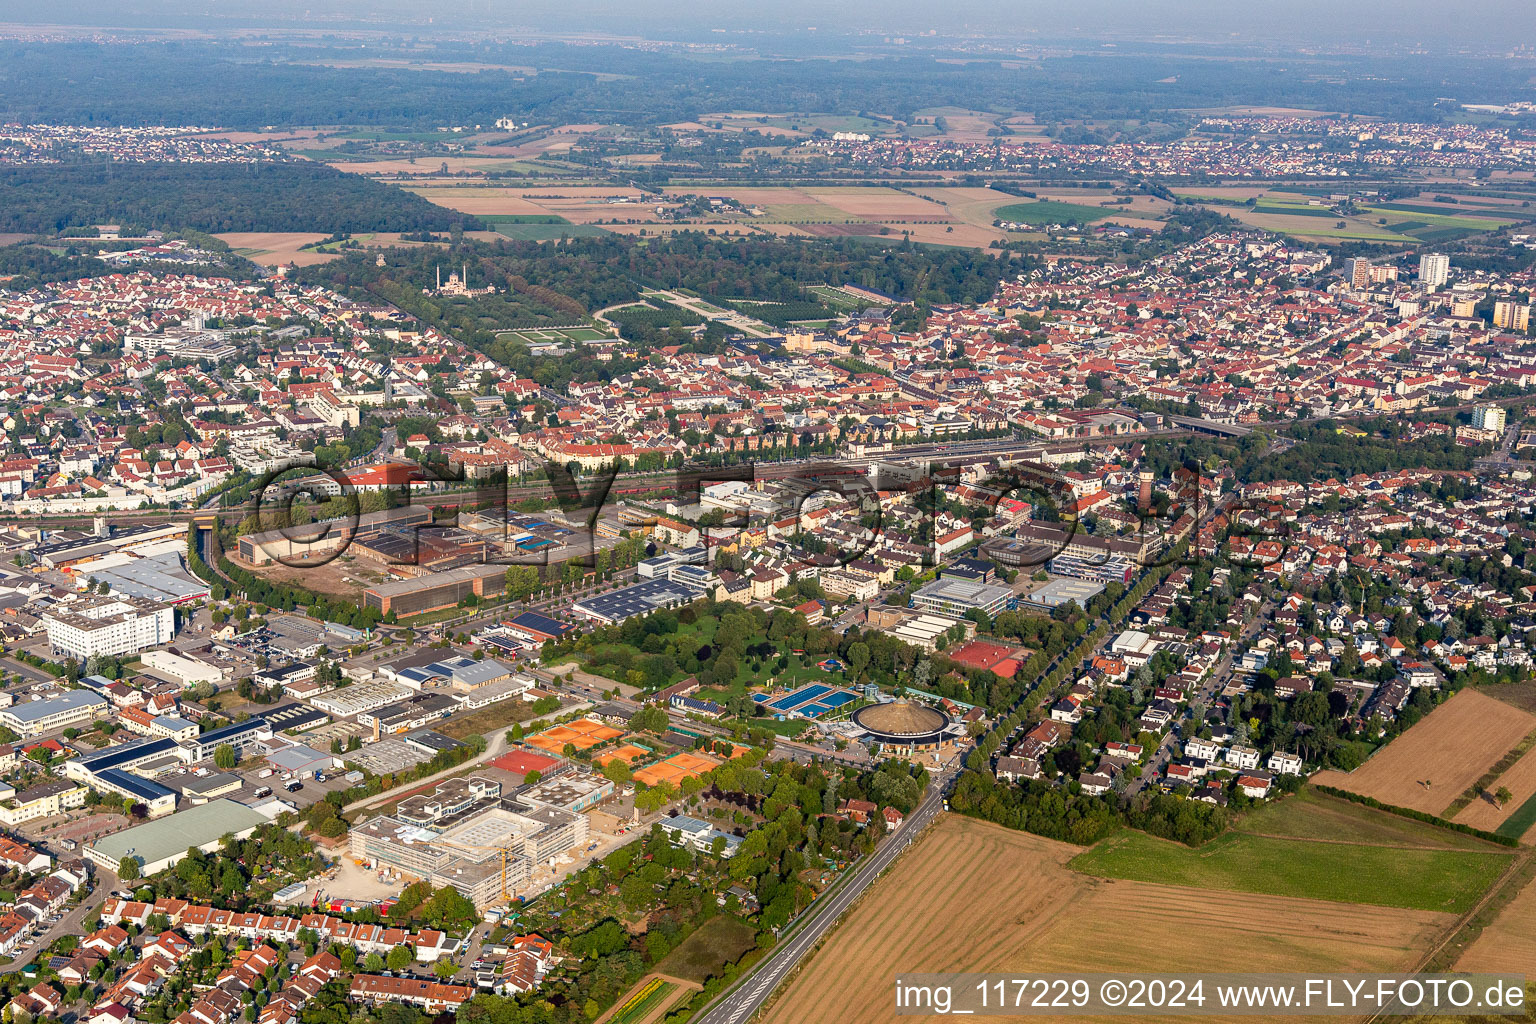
pixel 903 723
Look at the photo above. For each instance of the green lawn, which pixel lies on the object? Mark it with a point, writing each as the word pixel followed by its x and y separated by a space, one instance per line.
pixel 1450 881
pixel 1048 211
pixel 719 941
pixel 837 298
pixel 1313 815
pixel 539 336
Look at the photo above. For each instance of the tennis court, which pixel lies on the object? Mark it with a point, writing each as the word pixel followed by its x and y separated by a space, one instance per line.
pixel 629 753
pixel 675 769
pixel 583 734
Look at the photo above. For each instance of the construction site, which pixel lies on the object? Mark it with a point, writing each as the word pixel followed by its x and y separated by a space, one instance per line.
pixel 492 848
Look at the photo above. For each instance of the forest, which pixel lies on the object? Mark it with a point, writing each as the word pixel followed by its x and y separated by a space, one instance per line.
pixel 237 86
pixel 211 197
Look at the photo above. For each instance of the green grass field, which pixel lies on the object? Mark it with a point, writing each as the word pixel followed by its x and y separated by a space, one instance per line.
pixel 524 218
pixel 1449 881
pixel 837 298
pixel 1048 211
pixel 1439 220
pixel 719 941
pixel 1520 822
pixel 543 336
pixel 1313 815
pixel 542 231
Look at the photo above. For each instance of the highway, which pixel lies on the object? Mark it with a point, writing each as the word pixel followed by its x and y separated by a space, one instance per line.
pixel 748 996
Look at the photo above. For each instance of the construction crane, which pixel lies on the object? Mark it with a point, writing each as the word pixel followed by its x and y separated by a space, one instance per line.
pixel 504 849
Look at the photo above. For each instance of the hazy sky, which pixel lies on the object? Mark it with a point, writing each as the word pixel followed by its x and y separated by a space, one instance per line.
pixel 1475 24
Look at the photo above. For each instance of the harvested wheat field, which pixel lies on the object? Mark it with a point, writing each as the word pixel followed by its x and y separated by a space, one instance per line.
pixel 877 203
pixel 1486 813
pixel 977 897
pixel 1509 943
pixel 1450 748
pixel 270 248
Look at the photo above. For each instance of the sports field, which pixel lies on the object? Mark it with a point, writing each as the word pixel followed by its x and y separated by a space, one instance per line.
pixel 675 769
pixel 1430 765
pixel 629 753
pixel 972 896
pixel 582 734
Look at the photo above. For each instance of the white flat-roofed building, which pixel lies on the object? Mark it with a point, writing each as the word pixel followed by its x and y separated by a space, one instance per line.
pixel 186 671
pixel 951 595
pixel 111 626
pixel 37 717
pixel 350 701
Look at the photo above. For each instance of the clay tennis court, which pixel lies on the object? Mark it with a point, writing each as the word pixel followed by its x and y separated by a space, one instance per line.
pixel 1430 765
pixel 675 769
pixel 521 762
pixel 629 753
pixel 583 734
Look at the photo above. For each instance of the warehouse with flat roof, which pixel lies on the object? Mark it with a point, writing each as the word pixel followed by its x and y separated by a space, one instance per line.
pixel 162 844
pixel 640 599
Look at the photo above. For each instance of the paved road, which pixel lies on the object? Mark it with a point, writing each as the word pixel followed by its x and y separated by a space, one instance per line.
pixel 1185 726
pixel 748 997
pixel 72 923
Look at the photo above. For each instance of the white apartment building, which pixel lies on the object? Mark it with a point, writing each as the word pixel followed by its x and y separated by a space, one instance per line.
pixel 1489 417
pixel 1434 270
pixel 109 626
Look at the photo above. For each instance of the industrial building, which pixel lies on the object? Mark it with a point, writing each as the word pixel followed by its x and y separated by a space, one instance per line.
pixel 312 540
pixel 360 699
pixel 640 599
pixel 162 844
pixel 160 577
pixel 435 591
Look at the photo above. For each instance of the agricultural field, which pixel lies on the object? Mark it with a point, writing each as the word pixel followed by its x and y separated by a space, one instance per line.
pixel 972 896
pixel 1290 210
pixel 1313 815
pixel 573 204
pixel 273 247
pixel 1430 765
pixel 1508 942
pixel 1049 211
pixel 1486 812
pixel 652 996
pixel 1450 881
